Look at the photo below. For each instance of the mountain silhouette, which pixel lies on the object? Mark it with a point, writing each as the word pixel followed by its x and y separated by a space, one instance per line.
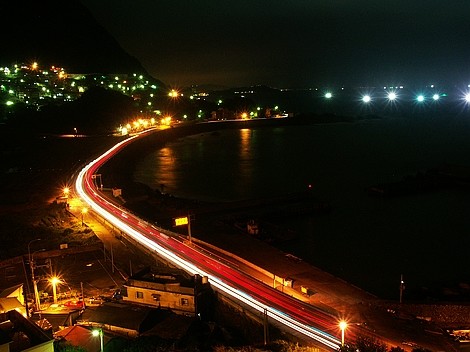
pixel 64 34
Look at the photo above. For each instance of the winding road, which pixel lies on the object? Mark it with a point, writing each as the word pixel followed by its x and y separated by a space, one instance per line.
pixel 319 326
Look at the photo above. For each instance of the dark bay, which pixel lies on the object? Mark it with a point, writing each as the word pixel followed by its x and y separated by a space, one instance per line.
pixel 366 240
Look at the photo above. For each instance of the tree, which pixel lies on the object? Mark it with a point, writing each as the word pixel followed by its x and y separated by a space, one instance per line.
pixel 365 344
pixel 397 349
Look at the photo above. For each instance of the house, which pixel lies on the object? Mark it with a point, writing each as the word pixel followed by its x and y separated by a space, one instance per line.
pixel 80 336
pixel 14 291
pixel 119 318
pixel 11 303
pixel 20 334
pixel 166 288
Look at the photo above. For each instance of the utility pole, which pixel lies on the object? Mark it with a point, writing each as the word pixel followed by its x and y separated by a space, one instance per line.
pixel 37 300
pixel 265 326
pixel 83 297
pixel 189 228
pixel 112 258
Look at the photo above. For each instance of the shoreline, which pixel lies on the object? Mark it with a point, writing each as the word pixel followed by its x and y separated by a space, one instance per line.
pixel 332 293
pixel 162 208
pixel 165 206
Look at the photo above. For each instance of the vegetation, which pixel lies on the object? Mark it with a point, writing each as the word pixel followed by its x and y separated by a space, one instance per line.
pixel 368 344
pixel 61 346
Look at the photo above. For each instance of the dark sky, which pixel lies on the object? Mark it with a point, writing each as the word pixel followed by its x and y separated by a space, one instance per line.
pixel 296 43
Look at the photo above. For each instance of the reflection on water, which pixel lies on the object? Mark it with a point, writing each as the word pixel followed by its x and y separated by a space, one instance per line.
pixel 167 174
pixel 368 241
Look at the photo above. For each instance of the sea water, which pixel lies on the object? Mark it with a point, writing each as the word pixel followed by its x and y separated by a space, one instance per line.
pixel 366 240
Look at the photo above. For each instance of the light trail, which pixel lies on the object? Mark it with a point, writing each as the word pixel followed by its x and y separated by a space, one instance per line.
pixel 257 295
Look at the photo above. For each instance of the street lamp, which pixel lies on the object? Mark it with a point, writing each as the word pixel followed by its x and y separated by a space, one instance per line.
pixel 66 191
pixel 54 281
pixel 84 211
pixel 29 251
pixel 342 325
pixel 98 332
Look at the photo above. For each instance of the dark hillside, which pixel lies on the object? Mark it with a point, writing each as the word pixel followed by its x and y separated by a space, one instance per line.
pixel 61 33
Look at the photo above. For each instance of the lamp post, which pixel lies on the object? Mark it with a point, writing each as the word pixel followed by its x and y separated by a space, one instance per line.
pixel 99 332
pixel 84 211
pixel 54 281
pixel 402 287
pixel 29 251
pixel 342 325
pixel 36 293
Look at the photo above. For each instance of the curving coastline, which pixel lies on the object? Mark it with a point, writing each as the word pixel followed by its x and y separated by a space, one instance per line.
pixel 332 293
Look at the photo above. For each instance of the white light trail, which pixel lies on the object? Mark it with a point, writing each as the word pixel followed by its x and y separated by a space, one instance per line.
pixel 84 188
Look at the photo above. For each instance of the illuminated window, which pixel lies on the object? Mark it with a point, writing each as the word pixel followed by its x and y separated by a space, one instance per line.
pixel 139 295
pixel 184 302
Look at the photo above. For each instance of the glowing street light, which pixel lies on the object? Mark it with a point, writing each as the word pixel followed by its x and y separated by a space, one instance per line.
pixel 328 95
pixel 467 97
pixel 366 98
pixel 392 96
pixel 66 191
pixel 342 325
pixel 54 281
pixel 435 97
pixel 173 93
pixel 420 98
pixel 99 332
pixel 84 211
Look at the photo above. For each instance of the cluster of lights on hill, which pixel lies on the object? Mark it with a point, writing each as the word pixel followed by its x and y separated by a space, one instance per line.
pixel 33 85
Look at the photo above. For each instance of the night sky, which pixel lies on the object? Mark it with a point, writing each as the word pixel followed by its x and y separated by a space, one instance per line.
pixel 293 44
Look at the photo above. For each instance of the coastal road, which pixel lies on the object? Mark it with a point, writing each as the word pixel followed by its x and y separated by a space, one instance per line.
pixel 319 326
